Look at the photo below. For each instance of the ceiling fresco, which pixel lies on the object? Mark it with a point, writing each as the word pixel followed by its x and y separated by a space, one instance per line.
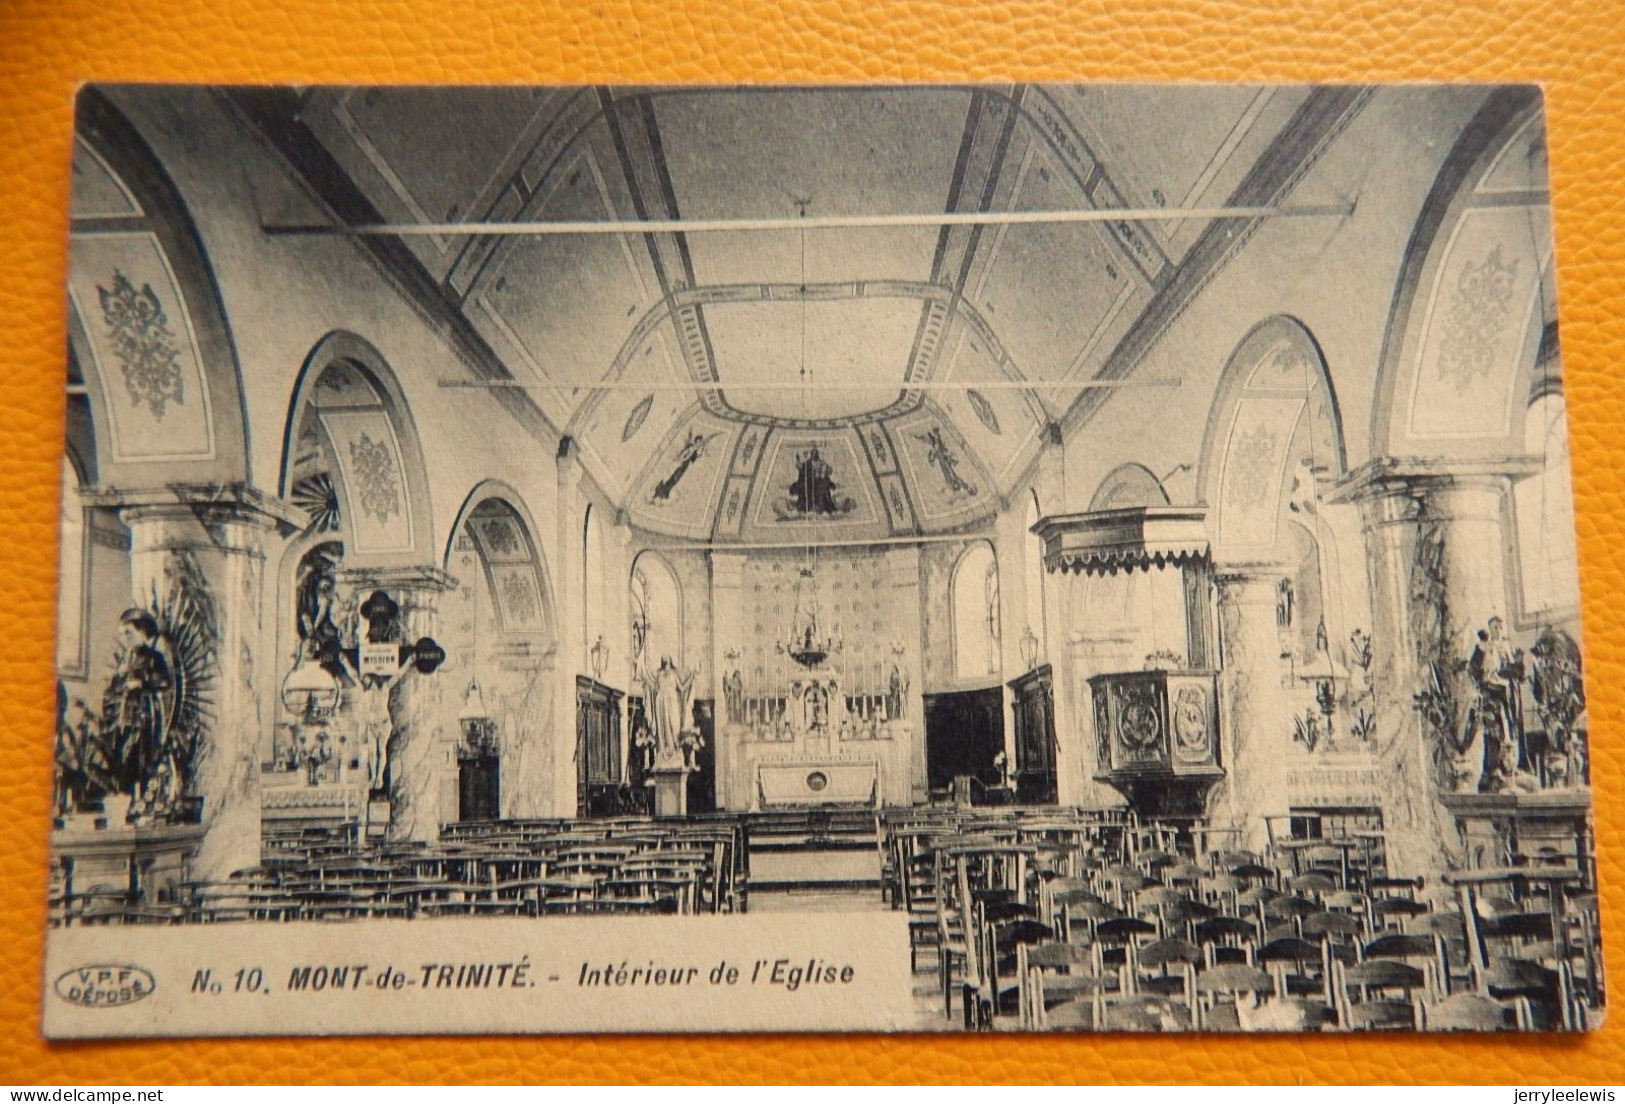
pixel 699 371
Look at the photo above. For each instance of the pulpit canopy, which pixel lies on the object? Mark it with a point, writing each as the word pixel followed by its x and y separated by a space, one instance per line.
pixel 1106 541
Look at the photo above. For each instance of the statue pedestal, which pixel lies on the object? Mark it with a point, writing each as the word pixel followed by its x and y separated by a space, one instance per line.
pixel 123 865
pixel 671 790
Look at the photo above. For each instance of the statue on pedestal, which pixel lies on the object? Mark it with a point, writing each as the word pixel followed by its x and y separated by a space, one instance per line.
pixel 139 752
pixel 666 696
pixel 135 707
pixel 733 695
pixel 1496 717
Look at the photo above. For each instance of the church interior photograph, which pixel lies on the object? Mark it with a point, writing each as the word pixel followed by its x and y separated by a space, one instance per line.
pixel 1126 532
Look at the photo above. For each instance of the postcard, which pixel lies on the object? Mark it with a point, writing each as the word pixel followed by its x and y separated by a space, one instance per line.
pixel 910 558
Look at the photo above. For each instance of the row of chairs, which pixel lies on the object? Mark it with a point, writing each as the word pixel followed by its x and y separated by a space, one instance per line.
pixel 1087 922
pixel 624 866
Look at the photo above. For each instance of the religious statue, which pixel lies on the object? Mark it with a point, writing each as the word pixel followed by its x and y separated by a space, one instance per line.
pixel 1495 719
pixel 733 696
pixel 313 747
pixel 136 755
pixel 666 694
pixel 373 722
pixel 896 692
pixel 643 752
pixel 318 608
pixel 1558 687
pixel 135 707
pixel 1284 601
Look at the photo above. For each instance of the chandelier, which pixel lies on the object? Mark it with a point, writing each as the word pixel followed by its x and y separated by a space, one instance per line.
pixel 809 642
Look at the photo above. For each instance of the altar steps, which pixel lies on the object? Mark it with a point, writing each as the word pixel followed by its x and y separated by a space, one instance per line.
pixel 814 850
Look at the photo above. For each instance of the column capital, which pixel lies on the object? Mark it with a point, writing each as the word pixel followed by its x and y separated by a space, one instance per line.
pixel 419 577
pixel 206 503
pixel 568 459
pixel 1411 477
pixel 1242 572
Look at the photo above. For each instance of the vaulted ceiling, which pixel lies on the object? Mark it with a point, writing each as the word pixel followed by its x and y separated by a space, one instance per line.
pixel 699 370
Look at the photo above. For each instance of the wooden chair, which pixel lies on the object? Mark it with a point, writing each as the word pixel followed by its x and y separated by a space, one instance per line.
pixel 1469 1012
pixel 999 990
pixel 1053 973
pixel 1385 995
pixel 1166 968
pixel 1424 950
pixel 1298 966
pixel 1226 940
pixel 1224 989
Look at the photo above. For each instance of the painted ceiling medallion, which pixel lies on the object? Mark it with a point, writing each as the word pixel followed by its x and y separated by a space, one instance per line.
pixel 634 420
pixel 984 411
pixel 375 476
pixel 814 494
pixel 148 355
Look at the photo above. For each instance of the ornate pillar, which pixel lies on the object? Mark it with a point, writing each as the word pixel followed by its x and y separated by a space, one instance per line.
pixel 422 748
pixel 567 577
pixel 728 633
pixel 197 562
pixel 1255 710
pixel 1436 546
pixel 903 577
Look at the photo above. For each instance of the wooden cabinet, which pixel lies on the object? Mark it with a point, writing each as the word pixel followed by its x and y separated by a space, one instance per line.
pixel 1033 698
pixel 598 747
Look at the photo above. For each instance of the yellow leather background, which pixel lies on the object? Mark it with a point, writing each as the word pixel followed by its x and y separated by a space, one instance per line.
pixel 47 47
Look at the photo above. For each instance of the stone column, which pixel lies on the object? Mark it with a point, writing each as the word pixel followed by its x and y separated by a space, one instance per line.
pixel 1436 544
pixel 203 547
pixel 1255 709
pixel 528 735
pixel 567 580
pixel 728 630
pixel 903 578
pixel 422 750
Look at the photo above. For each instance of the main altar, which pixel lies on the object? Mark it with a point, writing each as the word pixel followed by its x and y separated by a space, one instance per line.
pixel 808 717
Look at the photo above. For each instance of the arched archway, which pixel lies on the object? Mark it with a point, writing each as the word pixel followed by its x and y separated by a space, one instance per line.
pixel 351 456
pixel 494 528
pixel 657 611
pixel 147 328
pixel 1274 430
pixel 1470 307
pixel 1128 485
pixel 502 633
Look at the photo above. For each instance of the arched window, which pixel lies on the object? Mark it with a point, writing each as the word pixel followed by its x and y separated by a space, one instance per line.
pixel 1548 566
pixel 657 612
pixel 974 594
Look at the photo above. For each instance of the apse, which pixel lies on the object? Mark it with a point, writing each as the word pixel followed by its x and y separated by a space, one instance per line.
pixel 1098 558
